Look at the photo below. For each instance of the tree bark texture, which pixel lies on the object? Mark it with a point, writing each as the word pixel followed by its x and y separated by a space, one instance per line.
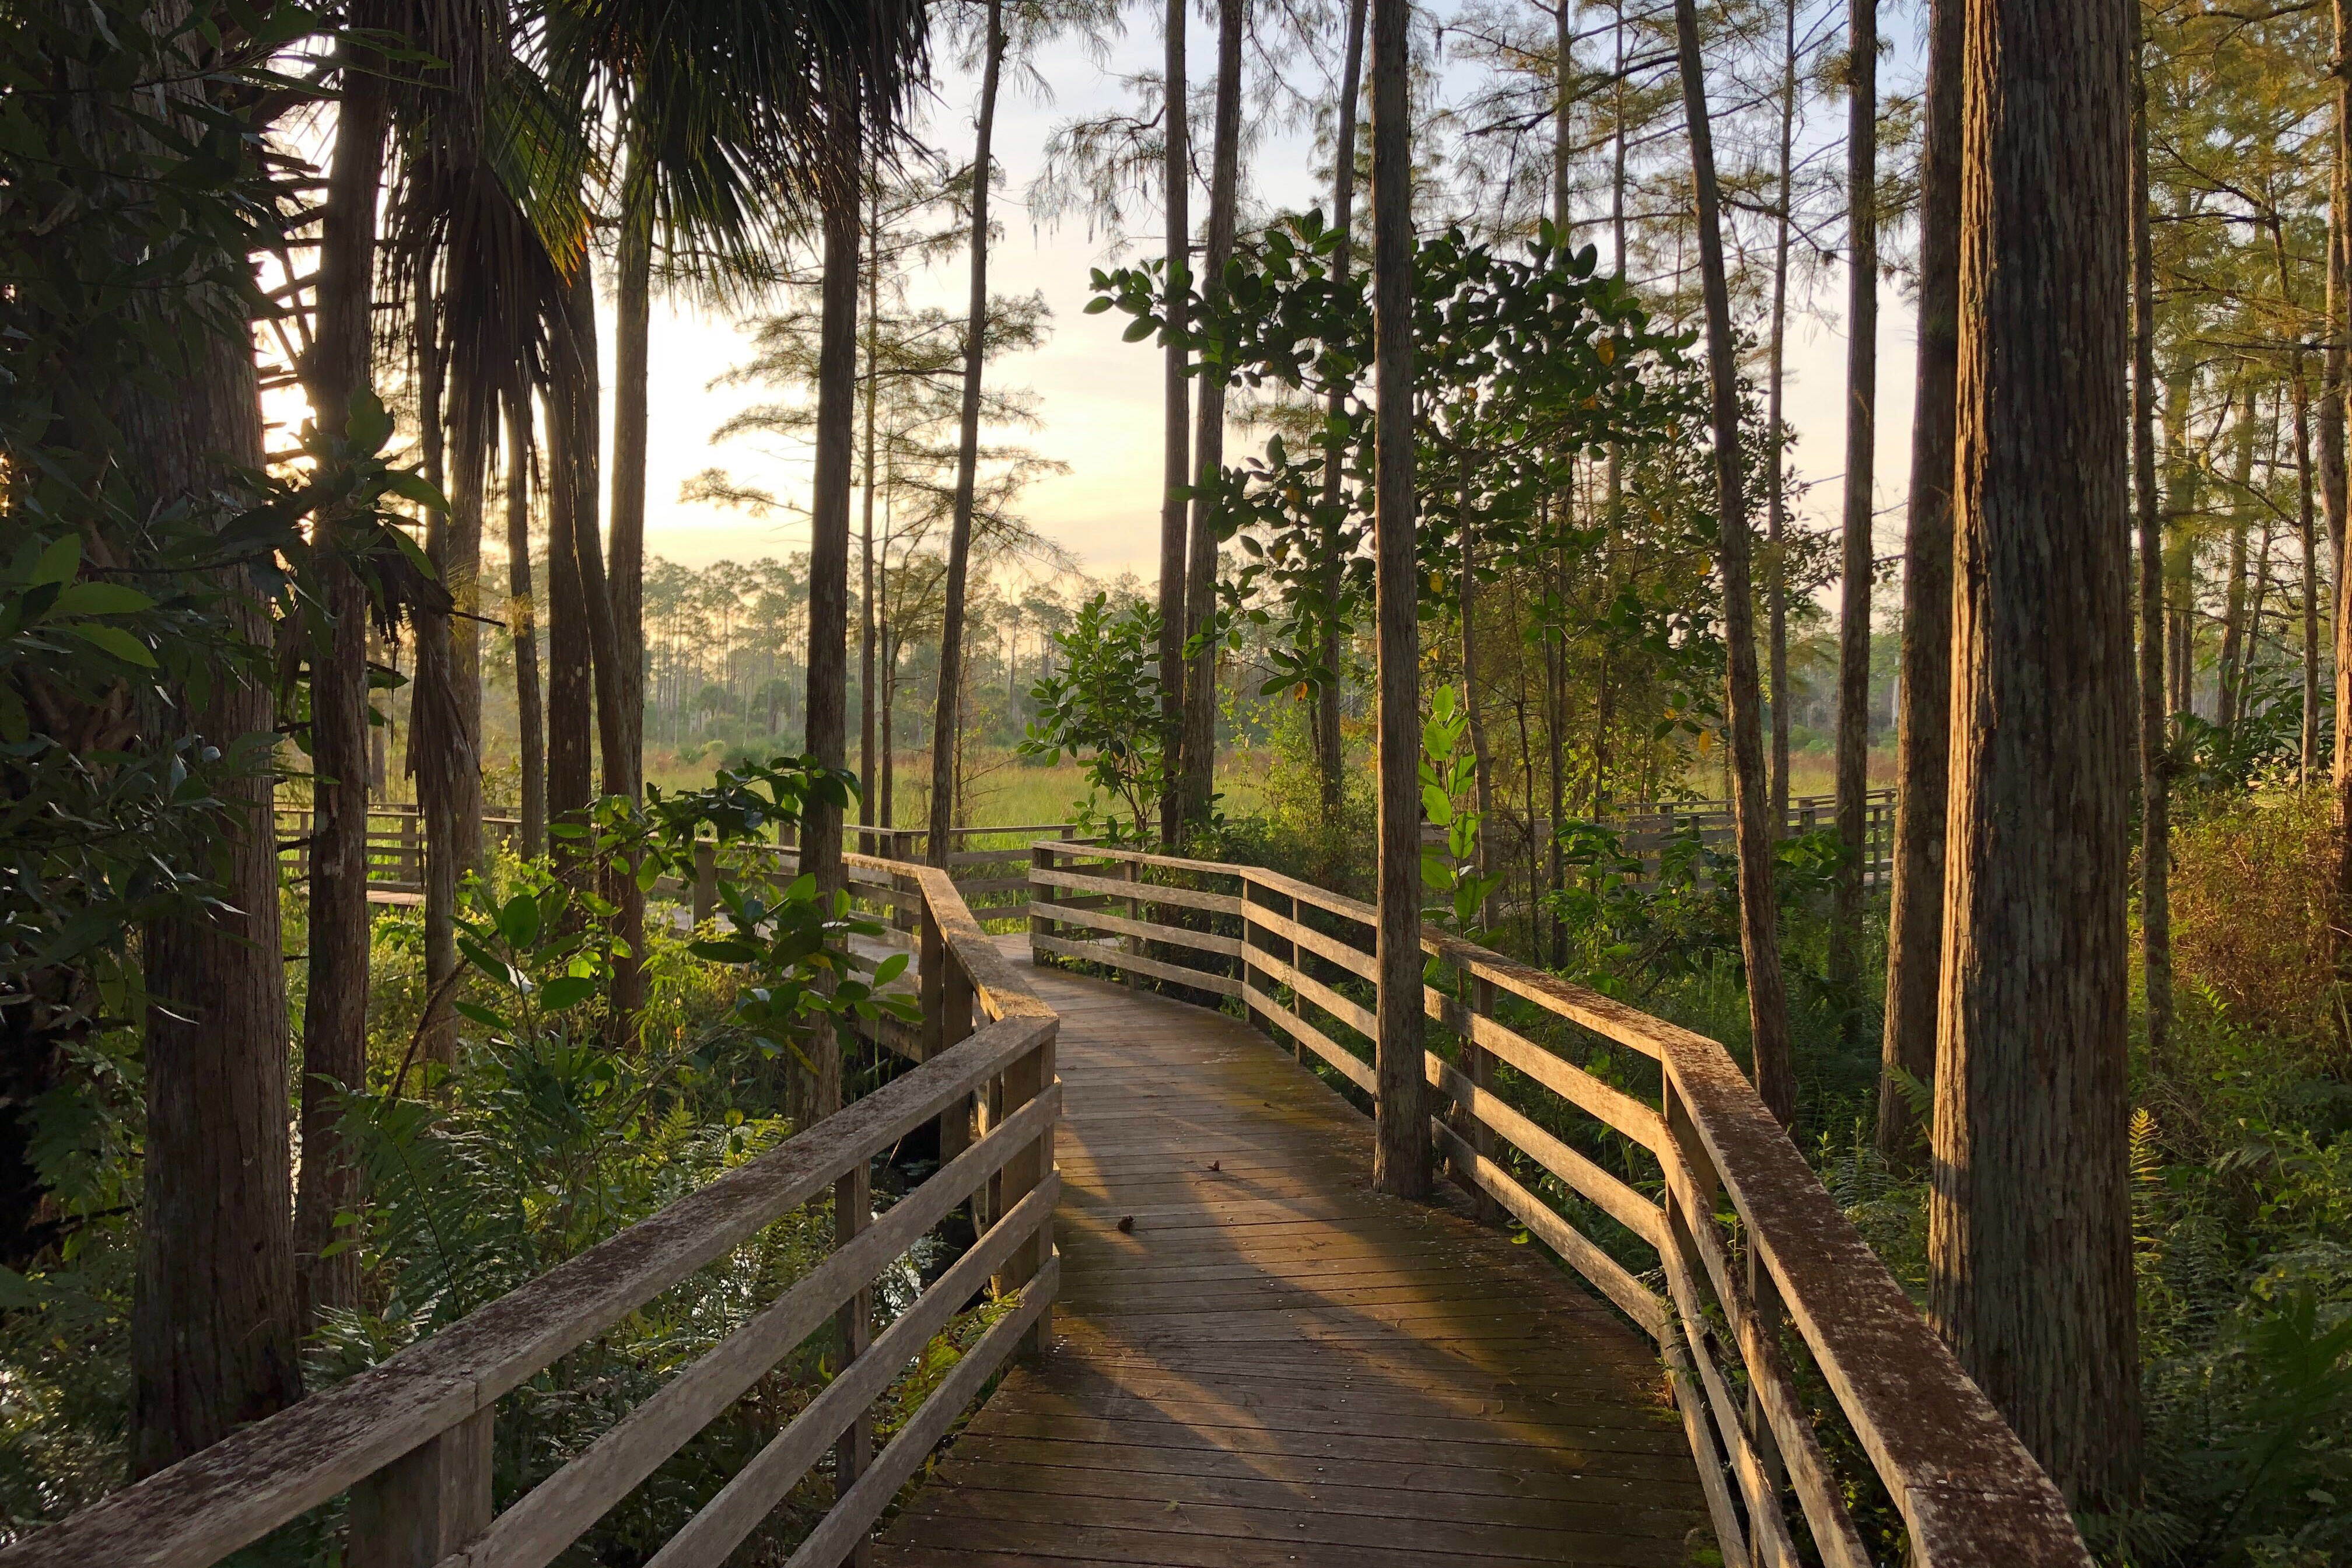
pixel 1401 1157
pixel 1200 756
pixel 1760 930
pixel 1177 427
pixel 215 1320
pixel 1922 747
pixel 818 1094
pixel 570 694
pixel 946 720
pixel 334 1007
pixel 2155 750
pixel 1861 465
pixel 2029 1213
pixel 2229 677
pixel 865 628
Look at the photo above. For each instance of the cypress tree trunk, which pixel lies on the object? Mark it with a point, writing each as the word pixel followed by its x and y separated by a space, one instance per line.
pixel 214 1316
pixel 1759 932
pixel 2155 757
pixel 947 722
pixel 1330 760
pixel 1199 761
pixel 1861 448
pixel 1915 932
pixel 334 1009
pixel 817 1095
pixel 1776 498
pixel 1401 1157
pixel 2029 1213
pixel 1177 433
pixel 522 621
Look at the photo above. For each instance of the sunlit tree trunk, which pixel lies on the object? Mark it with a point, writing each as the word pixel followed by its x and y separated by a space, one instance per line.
pixel 2029 1213
pixel 1401 1159
pixel 1861 465
pixel 1915 932
pixel 334 1009
pixel 437 751
pixel 947 722
pixel 626 575
pixel 1759 932
pixel 1177 419
pixel 2234 637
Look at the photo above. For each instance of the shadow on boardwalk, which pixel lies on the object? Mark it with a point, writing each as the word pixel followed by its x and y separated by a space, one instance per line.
pixel 1274 1365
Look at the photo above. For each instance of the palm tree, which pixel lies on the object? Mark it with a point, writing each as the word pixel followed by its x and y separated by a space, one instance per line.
pixel 1328 755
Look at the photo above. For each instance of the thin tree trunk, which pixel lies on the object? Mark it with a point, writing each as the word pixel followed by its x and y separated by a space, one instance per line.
pixel 1563 89
pixel 570 686
pixel 819 1094
pixel 1775 499
pixel 2155 756
pixel 2339 296
pixel 1209 435
pixel 1330 754
pixel 2308 535
pixel 1923 743
pixel 866 694
pixel 334 1009
pixel 1759 932
pixel 1481 759
pixel 624 577
pixel 1177 428
pixel 1861 448
pixel 1400 1158
pixel 2233 602
pixel 522 622
pixel 948 715
pixel 2030 1245
pixel 435 733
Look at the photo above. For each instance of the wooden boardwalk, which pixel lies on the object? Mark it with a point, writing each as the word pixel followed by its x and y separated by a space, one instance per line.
pixel 1260 1362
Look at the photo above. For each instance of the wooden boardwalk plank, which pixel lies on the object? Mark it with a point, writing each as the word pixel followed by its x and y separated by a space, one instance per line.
pixel 1259 1361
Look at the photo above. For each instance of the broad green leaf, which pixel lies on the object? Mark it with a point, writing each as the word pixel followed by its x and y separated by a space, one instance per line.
pixel 566 991
pixel 116 641
pixel 100 599
pixel 59 562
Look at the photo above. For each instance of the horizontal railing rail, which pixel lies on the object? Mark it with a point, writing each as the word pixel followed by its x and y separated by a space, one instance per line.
pixel 410 1441
pixel 1759 1264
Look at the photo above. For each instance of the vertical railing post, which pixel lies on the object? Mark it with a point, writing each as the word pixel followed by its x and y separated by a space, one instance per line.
pixel 1478 1067
pixel 853 1211
pixel 426 1504
pixel 1683 1148
pixel 412 855
pixel 1021 1081
pixel 1133 872
pixel 706 880
pixel 947 1000
pixel 1041 858
pixel 1764 1298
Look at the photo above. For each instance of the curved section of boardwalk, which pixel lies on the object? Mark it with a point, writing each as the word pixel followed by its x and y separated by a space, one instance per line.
pixel 1258 1360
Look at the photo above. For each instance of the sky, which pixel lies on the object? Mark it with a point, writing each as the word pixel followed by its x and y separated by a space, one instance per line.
pixel 1099 398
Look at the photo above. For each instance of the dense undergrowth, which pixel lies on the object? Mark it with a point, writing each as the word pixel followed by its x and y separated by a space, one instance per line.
pixel 543 1140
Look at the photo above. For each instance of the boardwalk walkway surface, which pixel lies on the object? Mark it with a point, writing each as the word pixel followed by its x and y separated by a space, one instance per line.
pixel 1258 1360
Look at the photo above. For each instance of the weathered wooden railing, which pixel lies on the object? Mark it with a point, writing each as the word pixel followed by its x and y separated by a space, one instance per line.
pixel 1762 1272
pixel 410 1441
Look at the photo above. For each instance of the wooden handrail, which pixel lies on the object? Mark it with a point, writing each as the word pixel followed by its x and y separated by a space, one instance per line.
pixel 410 1439
pixel 1967 1489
